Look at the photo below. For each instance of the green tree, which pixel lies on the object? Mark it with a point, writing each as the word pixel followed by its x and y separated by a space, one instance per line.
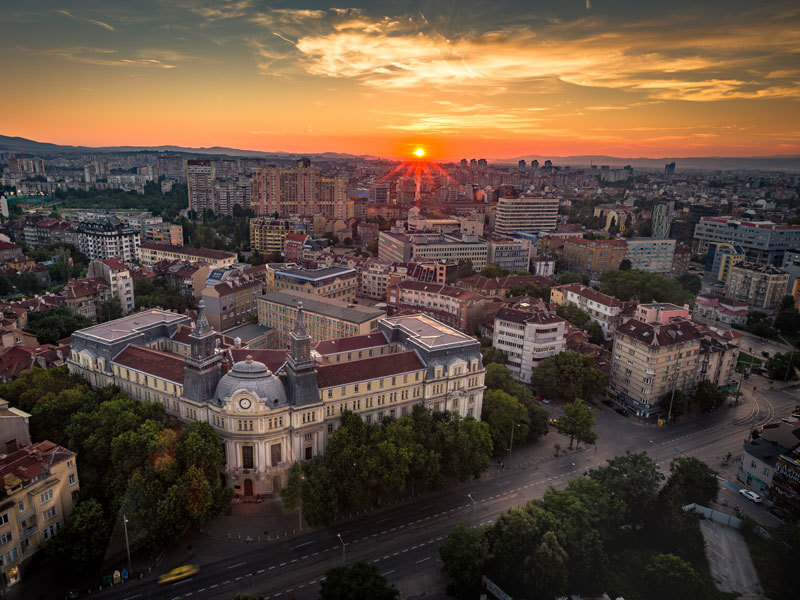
pixel 573 314
pixel 756 316
pixel 493 271
pixel 359 581
pixel 625 265
pixel 110 309
pixel 6 287
pixel 669 577
pixel 156 292
pixel 568 277
pixel 463 555
pixel 464 269
pixel 493 355
pixel 644 286
pixel 596 333
pixel 538 417
pixel 634 479
pixel 550 567
pixel 690 480
pixel 577 423
pixel 762 329
pixel 464 445
pixel 569 375
pixel 503 412
pixel 708 396
pixel 691 282
pixel 679 403
pixel 782 365
pixel 27 283
pixel 54 324
pixel 787 320
pixel 82 541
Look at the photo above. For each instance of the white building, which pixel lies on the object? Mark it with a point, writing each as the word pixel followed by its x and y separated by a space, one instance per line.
pixel 544 266
pixel 651 254
pixel 108 237
pixel 528 337
pixel 526 214
pixel 119 279
pixel 513 254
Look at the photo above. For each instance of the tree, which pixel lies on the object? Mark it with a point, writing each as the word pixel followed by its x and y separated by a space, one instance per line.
pixel 503 412
pixel 493 355
pixel 756 316
pixel 372 247
pixel 577 423
pixel 54 324
pixel 708 396
pixel 782 365
pixel 81 543
pixel 644 286
pixel 464 269
pixel 550 568
pixel 573 314
pixel 6 286
pixel 679 403
pixel 359 581
pixel 110 309
pixel 27 283
pixel 498 377
pixel 463 556
pixel 787 302
pixel 493 271
pixel 669 577
pixel 568 277
pixel 691 282
pixel 761 329
pixel 625 265
pixel 690 480
pixel 569 375
pixel 634 479
pixel 156 292
pixel 596 334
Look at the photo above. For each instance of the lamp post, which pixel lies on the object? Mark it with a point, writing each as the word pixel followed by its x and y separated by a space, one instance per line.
pixel 300 513
pixel 339 535
pixel 473 508
pixel 511 446
pixel 791 356
pixel 127 545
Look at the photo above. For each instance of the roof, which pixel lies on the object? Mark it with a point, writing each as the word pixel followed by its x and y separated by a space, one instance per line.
pixel 591 294
pixel 760 268
pixel 427 331
pixel 273 359
pixel 188 251
pixel 765 450
pixel 585 242
pixel 654 334
pixel 30 463
pixel 328 307
pixel 115 263
pixel 89 286
pixel 349 344
pixel 437 288
pixel 184 331
pixel 236 284
pixel 8 245
pixel 368 368
pixel 153 362
pixel 316 274
pixel 248 331
pixel 540 317
pixel 111 331
pixel 507 282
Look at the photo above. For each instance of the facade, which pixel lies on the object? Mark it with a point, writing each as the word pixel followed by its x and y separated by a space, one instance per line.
pixel 401 247
pixel 528 337
pixel 85 296
pixel 759 459
pixel 601 308
pixel 649 360
pixel 720 312
pixel 651 254
pixel 453 306
pixel 300 190
pixel 200 184
pixel 275 407
pixel 339 283
pixel 662 219
pixel 164 233
pixel 513 254
pixel 762 241
pixel 683 256
pixel 526 214
pixel 119 280
pixel 293 246
pixel 499 287
pixel 40 488
pixel 151 253
pixel 786 482
pixel 720 260
pixel 661 312
pixel 9 250
pixel 543 266
pixel 269 235
pixel 761 286
pixel 231 302
pixel 594 256
pixel 378 276
pixel 188 277
pixel 326 318
pixel 108 237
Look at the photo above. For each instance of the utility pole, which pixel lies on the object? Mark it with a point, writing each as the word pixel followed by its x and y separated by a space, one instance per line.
pixel 473 508
pixel 300 499
pixel 127 545
pixel 791 356
pixel 511 446
pixel 339 535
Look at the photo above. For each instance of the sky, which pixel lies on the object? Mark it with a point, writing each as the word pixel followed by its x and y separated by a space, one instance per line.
pixel 460 78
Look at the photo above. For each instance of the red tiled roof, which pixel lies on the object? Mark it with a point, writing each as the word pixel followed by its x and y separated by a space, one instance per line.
pixel 33 461
pixel 654 334
pixel 435 288
pixel 199 252
pixel 115 263
pixel 77 288
pixel 15 360
pixel 369 368
pixel 235 285
pixel 592 294
pixel 585 242
pixel 8 245
pixel 348 344
pixel 153 362
pixel 273 359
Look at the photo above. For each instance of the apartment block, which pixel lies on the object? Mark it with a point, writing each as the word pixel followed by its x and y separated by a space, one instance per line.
pixel 200 185
pixel 151 253
pixel 720 260
pixel 601 308
pixel 513 254
pixel 651 254
pixel 188 277
pixel 119 280
pixel 163 233
pixel 761 286
pixel 594 256
pixel 231 302
pixel 527 337
pixel 339 283
pixel 269 235
pixel 453 306
pixel 526 214
pixel 108 237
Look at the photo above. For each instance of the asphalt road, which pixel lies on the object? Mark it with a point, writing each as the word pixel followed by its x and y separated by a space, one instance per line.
pixel 403 540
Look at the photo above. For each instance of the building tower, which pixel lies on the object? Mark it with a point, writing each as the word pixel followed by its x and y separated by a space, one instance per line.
pixel 203 366
pixel 301 368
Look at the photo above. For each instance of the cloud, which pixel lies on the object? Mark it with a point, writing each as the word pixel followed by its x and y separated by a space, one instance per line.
pixel 671 59
pixel 221 10
pixel 102 24
pixel 105 57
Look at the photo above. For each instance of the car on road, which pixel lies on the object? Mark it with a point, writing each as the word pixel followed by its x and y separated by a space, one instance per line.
pixel 750 495
pixel 179 573
pixel 545 400
pixel 553 422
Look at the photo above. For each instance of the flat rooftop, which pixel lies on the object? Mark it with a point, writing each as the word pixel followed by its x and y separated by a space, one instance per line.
pixel 428 331
pixel 247 331
pixel 328 307
pixel 120 328
pixel 316 274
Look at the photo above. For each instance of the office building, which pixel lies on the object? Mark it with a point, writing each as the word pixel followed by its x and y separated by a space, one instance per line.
pixel 528 337
pixel 432 246
pixel 762 241
pixel 662 220
pixel 200 182
pixel 513 254
pixel 651 254
pixel 594 256
pixel 526 214
pixel 151 253
pixel 720 260
pixel 761 286
pixel 108 237
pixel 325 318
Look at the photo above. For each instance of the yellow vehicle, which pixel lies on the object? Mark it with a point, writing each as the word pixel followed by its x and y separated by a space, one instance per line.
pixel 178 573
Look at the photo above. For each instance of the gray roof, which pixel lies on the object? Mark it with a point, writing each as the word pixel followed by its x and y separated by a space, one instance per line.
pixel 329 307
pixel 316 274
pixel 428 331
pixel 254 377
pixel 247 331
pixel 120 328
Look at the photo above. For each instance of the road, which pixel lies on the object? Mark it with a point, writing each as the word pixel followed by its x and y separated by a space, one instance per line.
pixel 755 346
pixel 403 540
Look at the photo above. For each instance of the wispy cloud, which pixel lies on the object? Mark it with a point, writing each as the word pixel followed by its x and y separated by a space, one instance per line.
pixel 102 24
pixel 219 10
pixel 105 57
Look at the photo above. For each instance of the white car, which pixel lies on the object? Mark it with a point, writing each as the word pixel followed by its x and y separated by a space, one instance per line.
pixel 750 495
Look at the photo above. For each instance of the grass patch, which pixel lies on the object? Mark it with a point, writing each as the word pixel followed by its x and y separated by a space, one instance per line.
pixel 745 360
pixel 770 560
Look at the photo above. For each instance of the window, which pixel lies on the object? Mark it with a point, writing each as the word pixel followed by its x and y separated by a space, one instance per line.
pixel 247 457
pixel 6 538
pixel 72 479
pixel 21 506
pixel 4 519
pixel 46 497
pixel 70 464
pixel 49 513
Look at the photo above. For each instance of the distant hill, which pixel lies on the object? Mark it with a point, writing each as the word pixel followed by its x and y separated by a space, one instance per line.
pixel 19 144
pixel 705 163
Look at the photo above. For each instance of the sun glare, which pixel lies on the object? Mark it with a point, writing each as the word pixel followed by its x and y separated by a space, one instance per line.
pixel 419 152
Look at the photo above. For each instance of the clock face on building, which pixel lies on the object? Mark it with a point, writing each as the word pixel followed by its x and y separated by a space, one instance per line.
pixel 244 403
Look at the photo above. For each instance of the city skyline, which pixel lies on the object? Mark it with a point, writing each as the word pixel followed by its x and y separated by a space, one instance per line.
pixel 477 79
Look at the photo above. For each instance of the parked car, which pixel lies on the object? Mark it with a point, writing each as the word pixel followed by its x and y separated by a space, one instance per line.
pixel 545 400
pixel 622 411
pixel 750 495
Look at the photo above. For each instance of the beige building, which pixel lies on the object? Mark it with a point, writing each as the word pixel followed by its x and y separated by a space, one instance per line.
pixel 119 280
pixel 40 488
pixel 326 319
pixel 528 337
pixel 269 235
pixel 152 253
pixel 231 302
pixel 339 283
pixel 526 214
pixel 594 256
pixel 163 233
pixel 603 309
pixel 760 286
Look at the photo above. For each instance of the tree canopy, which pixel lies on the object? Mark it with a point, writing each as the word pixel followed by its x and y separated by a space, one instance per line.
pixel 643 286
pixel 358 581
pixel 156 292
pixel 54 324
pixel 568 375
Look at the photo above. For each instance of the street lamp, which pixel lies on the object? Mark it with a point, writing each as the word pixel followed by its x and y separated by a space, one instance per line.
pixel 473 508
pixel 511 446
pixel 791 356
pixel 339 535
pixel 127 545
pixel 300 498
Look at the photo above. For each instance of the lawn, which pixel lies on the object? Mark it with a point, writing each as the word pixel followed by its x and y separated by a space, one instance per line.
pixel 745 360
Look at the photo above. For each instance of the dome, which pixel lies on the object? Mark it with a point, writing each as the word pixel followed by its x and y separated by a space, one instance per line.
pixel 254 377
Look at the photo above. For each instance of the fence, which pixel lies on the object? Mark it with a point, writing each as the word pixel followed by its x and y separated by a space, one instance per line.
pixel 724 519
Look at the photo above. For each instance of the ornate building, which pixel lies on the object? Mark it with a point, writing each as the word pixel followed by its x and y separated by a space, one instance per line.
pixel 275 407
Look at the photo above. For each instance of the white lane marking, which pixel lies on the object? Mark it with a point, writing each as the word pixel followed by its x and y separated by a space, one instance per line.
pixel 213 586
pixel 305 557
pixel 283 564
pixel 260 571
pixel 388 573
pixel 132 597
pixel 303 544
pixel 201 590
pixel 272 567
pixel 237 565
pixel 424 559
pixel 226 582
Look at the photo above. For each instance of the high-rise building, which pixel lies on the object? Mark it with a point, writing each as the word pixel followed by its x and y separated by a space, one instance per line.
pixel 526 214
pixel 662 219
pixel 720 260
pixel 293 191
pixel 269 235
pixel 651 254
pixel 108 237
pixel 522 165
pixel 528 337
pixel 669 168
pixel 762 241
pixel 229 193
pixel 200 180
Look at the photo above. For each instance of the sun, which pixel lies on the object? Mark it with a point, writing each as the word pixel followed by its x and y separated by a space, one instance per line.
pixel 419 152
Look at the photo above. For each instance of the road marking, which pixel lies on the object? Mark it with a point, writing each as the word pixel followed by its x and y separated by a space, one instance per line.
pixel 395 554
pixel 260 571
pixel 388 573
pixel 382 520
pixel 132 597
pixel 283 564
pixel 429 506
pixel 385 557
pixel 504 482
pixel 414 547
pixel 226 582
pixel 424 559
pixel 238 578
pixel 249 575
pixel 312 582
pixel 272 567
pixel 303 544
pixel 293 560
pixel 237 565
pixel 383 532
pixel 404 550
pixel 315 553
pixel 213 586
pixel 374 535
pixel 201 590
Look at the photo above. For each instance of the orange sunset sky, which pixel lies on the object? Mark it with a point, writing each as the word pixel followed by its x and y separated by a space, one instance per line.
pixel 495 79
